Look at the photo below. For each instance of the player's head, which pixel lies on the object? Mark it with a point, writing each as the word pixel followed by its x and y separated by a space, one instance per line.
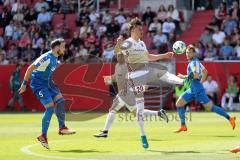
pixel 136 28
pixel 18 67
pixel 58 46
pixel 190 52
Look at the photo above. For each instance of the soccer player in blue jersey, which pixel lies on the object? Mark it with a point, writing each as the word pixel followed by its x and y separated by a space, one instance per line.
pixel 196 91
pixel 40 72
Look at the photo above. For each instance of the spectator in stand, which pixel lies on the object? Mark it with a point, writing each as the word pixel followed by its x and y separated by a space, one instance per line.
pixel 18 30
pixel 206 37
pixel 1 42
pixel 36 42
pixel 200 50
pixel 24 41
pixel 155 26
pixel 94 53
pixel 210 49
pixel 66 7
pixel 42 49
pixel 162 14
pixel 41 4
pixel 172 12
pixel 5 17
pixel 230 93
pixel 9 29
pixel 108 53
pixel 19 16
pixel 226 51
pixel 218 37
pixel 16 7
pixel 30 16
pixel 83 16
pixel 124 27
pixel 86 28
pixel 83 53
pixel 113 28
pixel 228 25
pixel 101 30
pixel 237 51
pixel 76 41
pixel 93 16
pixel 44 18
pixel 120 18
pixel 8 2
pixel 29 54
pixel 209 57
pixel 148 16
pixel 12 52
pixel 211 89
pixel 235 36
pixel 168 26
pixel 3 60
pixel 159 40
pixel 235 11
pixel 55 7
pixel 221 13
pixel 107 18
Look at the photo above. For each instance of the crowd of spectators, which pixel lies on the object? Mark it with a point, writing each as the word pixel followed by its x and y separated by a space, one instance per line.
pixel 221 38
pixel 27 30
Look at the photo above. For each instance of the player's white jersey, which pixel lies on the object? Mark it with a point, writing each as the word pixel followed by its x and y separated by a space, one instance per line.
pixel 134 51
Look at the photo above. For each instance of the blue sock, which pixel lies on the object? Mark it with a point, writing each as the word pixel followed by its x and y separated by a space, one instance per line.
pixel 60 113
pixel 181 113
pixel 46 119
pixel 220 111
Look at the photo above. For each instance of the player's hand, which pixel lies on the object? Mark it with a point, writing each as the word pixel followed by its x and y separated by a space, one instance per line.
pixel 169 55
pixel 107 80
pixel 181 75
pixel 120 40
pixel 22 89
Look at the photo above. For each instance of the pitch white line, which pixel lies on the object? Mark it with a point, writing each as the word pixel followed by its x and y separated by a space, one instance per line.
pixel 26 150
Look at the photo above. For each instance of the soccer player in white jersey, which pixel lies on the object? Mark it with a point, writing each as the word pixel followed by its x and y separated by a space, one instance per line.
pixel 122 99
pixel 140 72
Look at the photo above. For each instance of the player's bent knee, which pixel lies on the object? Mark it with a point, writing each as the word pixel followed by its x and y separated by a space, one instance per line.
pixel 208 105
pixel 51 104
pixel 180 102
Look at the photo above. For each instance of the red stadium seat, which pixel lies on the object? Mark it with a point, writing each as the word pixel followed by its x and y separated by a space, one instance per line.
pixel 71 20
pixel 72 30
pixel 1 7
pixel 57 19
pixel 1 31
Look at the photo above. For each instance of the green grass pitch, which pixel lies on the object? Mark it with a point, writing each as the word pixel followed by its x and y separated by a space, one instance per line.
pixel 209 137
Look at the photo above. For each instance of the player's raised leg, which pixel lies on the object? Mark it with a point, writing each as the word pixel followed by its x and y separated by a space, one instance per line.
pixel 220 111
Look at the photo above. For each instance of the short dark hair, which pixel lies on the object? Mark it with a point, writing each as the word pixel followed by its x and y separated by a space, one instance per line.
pixel 56 42
pixel 133 23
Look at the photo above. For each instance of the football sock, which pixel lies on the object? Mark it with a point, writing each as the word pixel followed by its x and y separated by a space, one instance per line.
pixel 60 113
pixel 140 110
pixel 181 113
pixel 109 120
pixel 46 119
pixel 220 111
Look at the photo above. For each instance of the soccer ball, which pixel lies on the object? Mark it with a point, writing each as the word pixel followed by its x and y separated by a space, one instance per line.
pixel 179 47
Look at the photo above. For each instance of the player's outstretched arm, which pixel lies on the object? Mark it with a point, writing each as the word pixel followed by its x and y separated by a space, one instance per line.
pixel 26 78
pixel 153 57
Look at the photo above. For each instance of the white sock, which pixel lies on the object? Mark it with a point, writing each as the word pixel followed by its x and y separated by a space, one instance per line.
pixel 147 112
pixel 171 78
pixel 140 108
pixel 109 120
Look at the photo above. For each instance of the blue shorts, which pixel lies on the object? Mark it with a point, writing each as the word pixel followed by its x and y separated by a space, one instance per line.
pixel 45 94
pixel 199 96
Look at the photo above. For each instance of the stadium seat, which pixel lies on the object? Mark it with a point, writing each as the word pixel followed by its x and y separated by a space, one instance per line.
pixel 72 30
pixel 1 31
pixel 1 7
pixel 57 19
pixel 71 20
